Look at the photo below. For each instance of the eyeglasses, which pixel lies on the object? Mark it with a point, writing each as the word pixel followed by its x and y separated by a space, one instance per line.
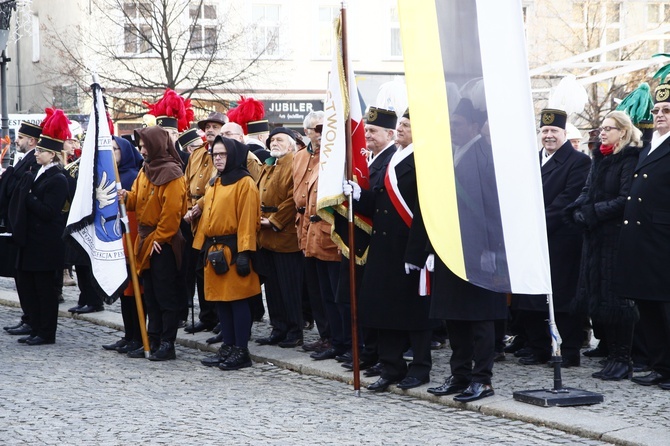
pixel 219 155
pixel 665 110
pixel 317 128
pixel 40 150
pixel 607 128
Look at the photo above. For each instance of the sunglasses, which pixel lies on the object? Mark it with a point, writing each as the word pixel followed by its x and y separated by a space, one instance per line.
pixel 665 110
pixel 318 128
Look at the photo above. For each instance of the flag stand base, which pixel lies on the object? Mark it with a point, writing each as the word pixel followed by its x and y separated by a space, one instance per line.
pixel 559 396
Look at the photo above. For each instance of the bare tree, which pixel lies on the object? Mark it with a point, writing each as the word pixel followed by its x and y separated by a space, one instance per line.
pixel 140 47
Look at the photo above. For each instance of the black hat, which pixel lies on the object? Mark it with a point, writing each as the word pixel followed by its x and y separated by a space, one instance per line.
pixel 130 138
pixel 662 93
pixel 30 130
pixel 382 118
pixel 647 129
pixel 406 114
pixel 469 112
pixel 167 122
pixel 214 116
pixel 188 137
pixel 283 130
pixel 553 117
pixel 256 127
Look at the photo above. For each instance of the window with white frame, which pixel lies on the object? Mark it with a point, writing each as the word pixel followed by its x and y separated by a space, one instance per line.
pixel 326 31
pixel 204 28
pixel 137 34
pixel 265 19
pixel 600 25
pixel 395 50
pixel 657 14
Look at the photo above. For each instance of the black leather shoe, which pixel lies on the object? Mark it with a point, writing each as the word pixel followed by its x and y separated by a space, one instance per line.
pixel 532 360
pixel 331 353
pixel 24 339
pixel 290 343
pixel 381 384
pixel 89 309
pixel 75 309
pixel 474 392
pixel 238 359
pixel 273 339
pixel 451 385
pixel 116 346
pixel 23 329
pixel 219 357
pixel 375 370
pixel 317 346
pixel 138 352
pixel 164 353
pixel 215 339
pixel 38 340
pixel 523 352
pixel 217 329
pixel 665 385
pixel 649 380
pixel 344 357
pixel 198 327
pixel 129 347
pixel 362 365
pixel 12 327
pixel 410 382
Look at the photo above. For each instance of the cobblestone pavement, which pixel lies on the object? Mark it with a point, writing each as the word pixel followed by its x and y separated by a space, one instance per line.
pixel 77 393
pixel 630 414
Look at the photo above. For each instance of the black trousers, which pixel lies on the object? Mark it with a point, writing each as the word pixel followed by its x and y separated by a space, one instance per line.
pixel 472 342
pixel 313 294
pixel 654 326
pixel 338 319
pixel 87 293
pixel 24 307
pixel 40 295
pixel 195 279
pixel 131 320
pixel 282 274
pixel 393 343
pixel 570 327
pixel 162 295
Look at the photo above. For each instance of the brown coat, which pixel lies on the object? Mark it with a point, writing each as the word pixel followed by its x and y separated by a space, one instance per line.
pixel 304 163
pixel 276 190
pixel 317 241
pixel 231 209
pixel 161 207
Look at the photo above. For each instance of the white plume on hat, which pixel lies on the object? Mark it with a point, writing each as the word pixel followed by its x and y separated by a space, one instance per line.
pixel 392 95
pixel 75 129
pixel 568 95
pixel 474 90
pixel 572 131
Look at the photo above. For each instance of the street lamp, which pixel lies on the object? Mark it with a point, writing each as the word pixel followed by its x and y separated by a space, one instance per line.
pixel 6 8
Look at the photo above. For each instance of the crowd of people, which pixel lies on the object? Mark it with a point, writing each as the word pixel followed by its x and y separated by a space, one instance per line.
pixel 230 208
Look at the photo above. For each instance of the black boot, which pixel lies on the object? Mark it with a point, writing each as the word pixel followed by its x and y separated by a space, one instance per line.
pixel 238 359
pixel 220 356
pixel 623 366
pixel 164 353
pixel 139 351
pixel 604 370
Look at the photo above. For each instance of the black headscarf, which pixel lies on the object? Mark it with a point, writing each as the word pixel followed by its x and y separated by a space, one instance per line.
pixel 236 161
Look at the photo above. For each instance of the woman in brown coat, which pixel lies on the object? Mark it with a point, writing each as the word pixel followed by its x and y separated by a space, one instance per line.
pixel 227 236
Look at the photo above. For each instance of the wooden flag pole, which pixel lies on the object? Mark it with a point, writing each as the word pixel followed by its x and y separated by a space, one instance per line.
pixel 350 214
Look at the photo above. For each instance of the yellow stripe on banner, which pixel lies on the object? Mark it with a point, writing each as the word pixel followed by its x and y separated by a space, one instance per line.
pixel 429 111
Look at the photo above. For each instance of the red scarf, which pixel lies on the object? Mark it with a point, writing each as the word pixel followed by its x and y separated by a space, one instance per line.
pixel 606 150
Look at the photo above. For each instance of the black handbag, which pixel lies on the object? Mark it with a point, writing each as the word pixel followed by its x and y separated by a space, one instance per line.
pixel 218 261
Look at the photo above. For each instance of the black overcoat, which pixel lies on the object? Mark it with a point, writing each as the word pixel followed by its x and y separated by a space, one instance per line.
pixel 44 249
pixel 389 298
pixel 602 203
pixel 563 177
pixel 644 242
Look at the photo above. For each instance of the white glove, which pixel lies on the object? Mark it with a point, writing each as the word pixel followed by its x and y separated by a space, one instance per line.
pixel 430 263
pixel 351 187
pixel 409 267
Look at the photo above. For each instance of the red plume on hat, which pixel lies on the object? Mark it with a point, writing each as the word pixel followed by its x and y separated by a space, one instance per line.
pixel 247 110
pixel 56 125
pixel 174 106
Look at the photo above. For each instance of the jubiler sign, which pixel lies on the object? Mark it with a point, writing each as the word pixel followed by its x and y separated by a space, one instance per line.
pixel 288 112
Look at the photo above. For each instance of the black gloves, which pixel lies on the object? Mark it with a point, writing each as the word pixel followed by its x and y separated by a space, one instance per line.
pixel 242 264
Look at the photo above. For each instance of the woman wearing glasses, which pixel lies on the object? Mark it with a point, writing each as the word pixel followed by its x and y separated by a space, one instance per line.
pixel 226 238
pixel 599 210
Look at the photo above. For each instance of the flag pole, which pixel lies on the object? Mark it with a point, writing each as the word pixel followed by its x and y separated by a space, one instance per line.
pixel 130 250
pixel 350 213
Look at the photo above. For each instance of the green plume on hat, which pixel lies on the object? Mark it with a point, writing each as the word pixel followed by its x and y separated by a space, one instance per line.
pixel 662 72
pixel 638 104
